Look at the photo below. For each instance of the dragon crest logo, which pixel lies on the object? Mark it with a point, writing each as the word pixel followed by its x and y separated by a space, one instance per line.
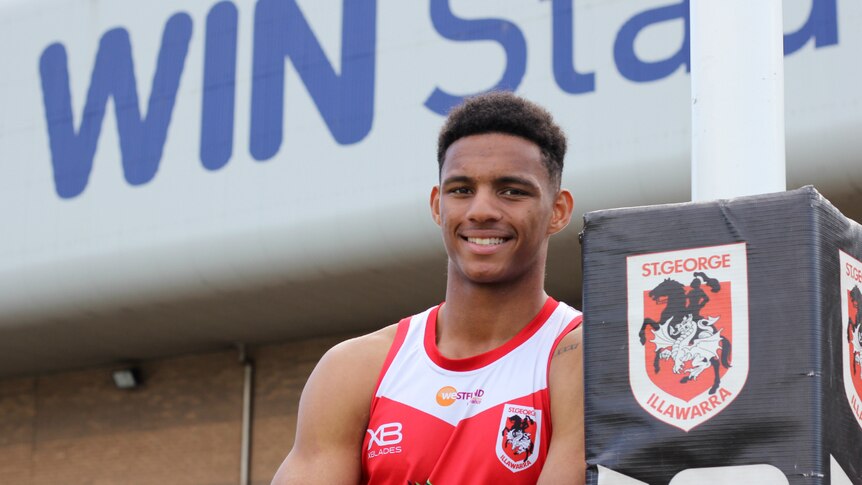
pixel 518 440
pixel 851 326
pixel 688 331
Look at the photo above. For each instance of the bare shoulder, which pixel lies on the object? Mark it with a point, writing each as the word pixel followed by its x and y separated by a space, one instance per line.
pixel 374 345
pixel 569 351
pixel 333 412
pixel 355 364
pixel 565 463
pixel 566 372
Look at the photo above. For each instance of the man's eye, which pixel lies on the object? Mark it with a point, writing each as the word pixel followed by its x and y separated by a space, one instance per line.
pixel 514 192
pixel 459 190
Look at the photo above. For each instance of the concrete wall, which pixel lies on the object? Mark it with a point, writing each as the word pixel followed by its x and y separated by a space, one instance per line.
pixel 182 426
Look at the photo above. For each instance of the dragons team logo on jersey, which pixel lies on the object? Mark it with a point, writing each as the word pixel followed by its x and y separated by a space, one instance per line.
pixel 851 326
pixel 688 331
pixel 518 437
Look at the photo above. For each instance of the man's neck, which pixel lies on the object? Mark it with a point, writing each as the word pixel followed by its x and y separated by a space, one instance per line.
pixel 477 318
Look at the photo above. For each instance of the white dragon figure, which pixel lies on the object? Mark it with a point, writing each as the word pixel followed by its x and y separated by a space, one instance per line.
pixel 519 440
pixel 695 342
pixel 856 339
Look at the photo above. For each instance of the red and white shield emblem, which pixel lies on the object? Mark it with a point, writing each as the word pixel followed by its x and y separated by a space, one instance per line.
pixel 519 436
pixel 688 331
pixel 851 326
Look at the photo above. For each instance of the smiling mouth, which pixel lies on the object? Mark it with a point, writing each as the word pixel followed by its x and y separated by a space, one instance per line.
pixel 486 241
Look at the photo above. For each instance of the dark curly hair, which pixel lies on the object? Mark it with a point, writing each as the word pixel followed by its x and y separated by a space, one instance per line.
pixel 508 113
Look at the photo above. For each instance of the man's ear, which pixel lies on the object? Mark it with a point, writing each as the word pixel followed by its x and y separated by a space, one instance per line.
pixel 435 204
pixel 564 204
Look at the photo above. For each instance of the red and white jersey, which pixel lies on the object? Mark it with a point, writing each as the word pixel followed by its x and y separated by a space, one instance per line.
pixel 484 419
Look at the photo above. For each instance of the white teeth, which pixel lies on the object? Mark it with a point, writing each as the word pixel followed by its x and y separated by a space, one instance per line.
pixel 486 241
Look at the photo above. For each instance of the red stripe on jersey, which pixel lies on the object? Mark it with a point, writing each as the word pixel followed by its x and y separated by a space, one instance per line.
pixel 400 334
pixel 398 445
pixel 481 360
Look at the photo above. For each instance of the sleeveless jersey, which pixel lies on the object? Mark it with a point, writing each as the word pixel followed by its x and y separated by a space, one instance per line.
pixel 483 419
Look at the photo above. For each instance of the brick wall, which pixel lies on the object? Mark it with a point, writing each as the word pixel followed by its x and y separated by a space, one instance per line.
pixel 183 426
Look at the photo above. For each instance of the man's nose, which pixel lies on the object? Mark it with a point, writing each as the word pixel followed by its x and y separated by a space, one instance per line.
pixel 484 207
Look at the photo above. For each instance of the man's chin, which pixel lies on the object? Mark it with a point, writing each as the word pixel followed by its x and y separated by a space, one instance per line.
pixel 486 276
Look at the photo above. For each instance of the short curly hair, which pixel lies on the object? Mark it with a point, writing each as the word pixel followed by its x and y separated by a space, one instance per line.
pixel 508 113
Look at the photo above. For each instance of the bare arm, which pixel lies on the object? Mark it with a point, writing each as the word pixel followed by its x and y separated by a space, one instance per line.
pixel 566 461
pixel 333 413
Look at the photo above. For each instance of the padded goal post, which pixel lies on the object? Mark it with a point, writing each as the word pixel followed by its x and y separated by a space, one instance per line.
pixel 724 339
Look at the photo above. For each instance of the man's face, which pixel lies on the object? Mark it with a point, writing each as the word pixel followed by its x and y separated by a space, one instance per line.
pixel 497 207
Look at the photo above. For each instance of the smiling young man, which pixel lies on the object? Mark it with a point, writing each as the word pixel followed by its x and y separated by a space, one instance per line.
pixel 486 387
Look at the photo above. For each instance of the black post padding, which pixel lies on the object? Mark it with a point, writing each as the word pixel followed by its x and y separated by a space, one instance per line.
pixel 790 408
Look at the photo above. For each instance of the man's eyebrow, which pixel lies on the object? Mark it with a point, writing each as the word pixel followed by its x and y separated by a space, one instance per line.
pixel 512 180
pixel 458 179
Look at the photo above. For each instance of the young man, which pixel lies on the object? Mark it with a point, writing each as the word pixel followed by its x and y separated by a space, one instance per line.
pixel 468 391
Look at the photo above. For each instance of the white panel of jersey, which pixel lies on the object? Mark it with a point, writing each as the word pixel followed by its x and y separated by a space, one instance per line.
pixel 414 379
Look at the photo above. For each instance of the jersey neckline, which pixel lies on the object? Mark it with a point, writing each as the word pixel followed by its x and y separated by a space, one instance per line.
pixel 486 358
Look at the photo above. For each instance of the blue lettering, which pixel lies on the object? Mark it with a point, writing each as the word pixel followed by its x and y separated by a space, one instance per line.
pixel 569 79
pixel 345 101
pixel 507 34
pixel 822 26
pixel 141 140
pixel 635 69
pixel 219 86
